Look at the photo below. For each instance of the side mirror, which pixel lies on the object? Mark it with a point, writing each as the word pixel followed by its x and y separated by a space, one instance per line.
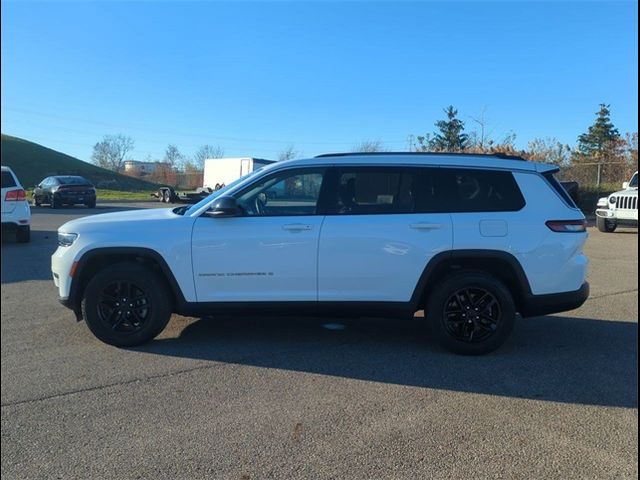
pixel 224 207
pixel 625 185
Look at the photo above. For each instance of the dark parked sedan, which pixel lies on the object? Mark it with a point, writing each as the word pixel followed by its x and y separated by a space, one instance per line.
pixel 65 190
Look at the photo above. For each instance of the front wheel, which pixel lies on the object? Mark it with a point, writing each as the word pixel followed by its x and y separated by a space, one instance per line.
pixel 126 305
pixel 605 226
pixel 471 312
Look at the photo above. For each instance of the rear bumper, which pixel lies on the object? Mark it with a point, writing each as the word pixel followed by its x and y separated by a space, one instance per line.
pixel 537 305
pixel 74 198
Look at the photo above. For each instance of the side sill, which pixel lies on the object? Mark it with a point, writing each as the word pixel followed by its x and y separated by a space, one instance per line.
pixel 307 309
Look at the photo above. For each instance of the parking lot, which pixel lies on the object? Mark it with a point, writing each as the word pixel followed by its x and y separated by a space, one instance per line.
pixel 253 398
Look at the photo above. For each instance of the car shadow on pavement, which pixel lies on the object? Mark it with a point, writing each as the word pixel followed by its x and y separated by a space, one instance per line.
pixel 557 359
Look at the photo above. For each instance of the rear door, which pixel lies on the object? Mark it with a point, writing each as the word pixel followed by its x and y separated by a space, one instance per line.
pixel 382 226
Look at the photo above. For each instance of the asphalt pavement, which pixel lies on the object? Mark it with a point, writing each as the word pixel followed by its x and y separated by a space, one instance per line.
pixel 253 398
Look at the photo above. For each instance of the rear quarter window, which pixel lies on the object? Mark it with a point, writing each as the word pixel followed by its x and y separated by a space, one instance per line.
pixel 560 190
pixel 476 190
pixel 7 180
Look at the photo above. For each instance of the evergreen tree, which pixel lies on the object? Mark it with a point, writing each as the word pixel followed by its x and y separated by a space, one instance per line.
pixel 450 138
pixel 602 142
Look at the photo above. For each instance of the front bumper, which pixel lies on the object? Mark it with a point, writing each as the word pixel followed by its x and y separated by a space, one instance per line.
pixel 537 305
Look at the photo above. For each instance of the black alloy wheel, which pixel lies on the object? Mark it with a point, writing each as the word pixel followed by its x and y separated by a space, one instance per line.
pixel 124 307
pixel 472 315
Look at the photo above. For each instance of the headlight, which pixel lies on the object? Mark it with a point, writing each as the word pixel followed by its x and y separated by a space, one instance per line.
pixel 66 239
pixel 612 199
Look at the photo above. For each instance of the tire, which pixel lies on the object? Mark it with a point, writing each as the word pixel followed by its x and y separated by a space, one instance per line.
pixel 102 301
pixel 605 225
pixel 91 204
pixel 36 202
pixel 161 196
pixel 456 331
pixel 54 203
pixel 23 234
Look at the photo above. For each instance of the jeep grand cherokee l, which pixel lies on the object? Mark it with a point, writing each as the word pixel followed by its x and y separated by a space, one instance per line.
pixel 473 240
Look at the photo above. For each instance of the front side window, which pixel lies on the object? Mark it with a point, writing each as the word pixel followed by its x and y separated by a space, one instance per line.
pixel 634 181
pixel 293 192
pixel 362 191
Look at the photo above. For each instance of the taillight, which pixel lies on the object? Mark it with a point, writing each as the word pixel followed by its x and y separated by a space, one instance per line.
pixel 15 196
pixel 567 226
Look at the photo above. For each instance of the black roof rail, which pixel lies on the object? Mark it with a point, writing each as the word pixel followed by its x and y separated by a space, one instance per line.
pixel 504 156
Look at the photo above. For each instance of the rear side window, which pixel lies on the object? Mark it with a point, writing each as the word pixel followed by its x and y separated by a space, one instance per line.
pixel 7 180
pixel 557 186
pixel 367 191
pixel 475 190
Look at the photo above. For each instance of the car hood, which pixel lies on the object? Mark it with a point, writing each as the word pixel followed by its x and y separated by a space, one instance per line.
pixel 114 219
pixel 629 192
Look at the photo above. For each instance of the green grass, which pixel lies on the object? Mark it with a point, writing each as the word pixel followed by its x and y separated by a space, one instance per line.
pixel 112 195
pixel 32 163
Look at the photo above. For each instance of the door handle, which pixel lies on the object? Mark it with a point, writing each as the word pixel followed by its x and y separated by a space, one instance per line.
pixel 426 226
pixel 296 227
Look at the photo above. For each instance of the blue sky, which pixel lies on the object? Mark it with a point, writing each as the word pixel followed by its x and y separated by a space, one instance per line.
pixel 255 78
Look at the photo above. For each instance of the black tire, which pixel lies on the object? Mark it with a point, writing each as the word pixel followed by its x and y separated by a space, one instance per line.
pixel 605 226
pixel 54 202
pixel 23 234
pixel 126 324
pixel 36 201
pixel 91 204
pixel 456 333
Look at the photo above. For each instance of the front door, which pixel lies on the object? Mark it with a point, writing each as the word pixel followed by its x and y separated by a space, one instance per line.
pixel 269 253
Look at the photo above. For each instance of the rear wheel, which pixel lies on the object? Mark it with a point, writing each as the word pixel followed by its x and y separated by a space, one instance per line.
pixel 91 204
pixel 471 312
pixel 126 305
pixel 604 225
pixel 23 234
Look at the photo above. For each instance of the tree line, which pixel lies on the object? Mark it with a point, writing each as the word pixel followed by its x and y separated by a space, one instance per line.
pixel 602 143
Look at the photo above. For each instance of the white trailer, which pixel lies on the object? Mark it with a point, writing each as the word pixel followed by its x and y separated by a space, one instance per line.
pixel 219 172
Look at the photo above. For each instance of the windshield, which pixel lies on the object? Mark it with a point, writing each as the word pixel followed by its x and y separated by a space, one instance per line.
pixel 634 181
pixel 222 191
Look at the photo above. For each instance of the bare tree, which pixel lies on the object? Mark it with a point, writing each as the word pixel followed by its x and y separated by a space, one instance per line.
pixel 173 156
pixel 205 152
pixel 479 138
pixel 549 150
pixel 111 151
pixel 288 153
pixel 369 146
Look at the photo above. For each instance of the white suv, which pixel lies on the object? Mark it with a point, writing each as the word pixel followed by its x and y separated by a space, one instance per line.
pixel 471 239
pixel 16 214
pixel 619 208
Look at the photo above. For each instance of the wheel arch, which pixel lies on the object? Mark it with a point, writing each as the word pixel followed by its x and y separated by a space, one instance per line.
pixel 94 260
pixel 500 264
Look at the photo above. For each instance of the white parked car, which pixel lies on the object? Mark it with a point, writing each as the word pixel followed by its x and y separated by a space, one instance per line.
pixel 473 240
pixel 619 208
pixel 16 214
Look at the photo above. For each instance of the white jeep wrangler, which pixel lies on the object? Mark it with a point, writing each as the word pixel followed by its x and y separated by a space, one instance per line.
pixel 620 208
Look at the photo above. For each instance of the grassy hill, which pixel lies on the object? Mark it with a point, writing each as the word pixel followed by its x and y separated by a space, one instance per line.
pixel 32 163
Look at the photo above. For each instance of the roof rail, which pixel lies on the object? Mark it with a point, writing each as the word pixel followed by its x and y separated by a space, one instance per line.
pixel 504 156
